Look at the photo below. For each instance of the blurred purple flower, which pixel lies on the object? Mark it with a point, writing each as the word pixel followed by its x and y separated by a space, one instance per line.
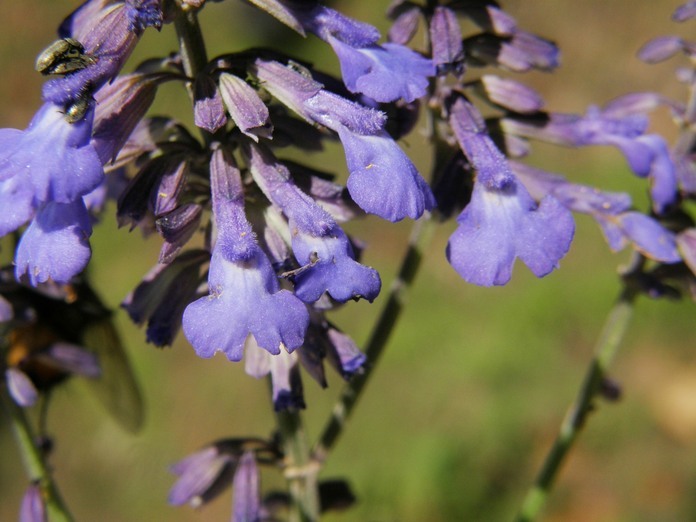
pixel 597 127
pixel 199 474
pixel 645 233
pixel 577 198
pixel 33 509
pixel 246 505
pixel 684 12
pixel 446 38
pixel 20 387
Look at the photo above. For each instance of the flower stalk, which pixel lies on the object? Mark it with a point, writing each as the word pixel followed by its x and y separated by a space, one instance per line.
pixel 191 45
pixel 382 331
pixel 608 343
pixel 34 462
pixel 300 471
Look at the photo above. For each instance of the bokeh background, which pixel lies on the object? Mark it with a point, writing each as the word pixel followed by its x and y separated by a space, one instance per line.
pixel 475 382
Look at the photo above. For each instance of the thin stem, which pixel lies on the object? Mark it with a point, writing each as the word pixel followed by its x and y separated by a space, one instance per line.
pixel 300 471
pixel 34 463
pixel 614 330
pixel 194 57
pixel 302 467
pixel 381 333
pixel 302 479
pixel 191 45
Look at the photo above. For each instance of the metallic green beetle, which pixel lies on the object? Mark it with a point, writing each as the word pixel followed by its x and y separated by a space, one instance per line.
pixel 64 56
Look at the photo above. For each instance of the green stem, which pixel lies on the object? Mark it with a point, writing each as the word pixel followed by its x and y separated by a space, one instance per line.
pixel 34 463
pixel 191 45
pixel 614 330
pixel 300 471
pixel 194 57
pixel 381 332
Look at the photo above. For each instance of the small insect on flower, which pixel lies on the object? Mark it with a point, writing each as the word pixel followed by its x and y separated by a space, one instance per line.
pixel 64 56
pixel 78 109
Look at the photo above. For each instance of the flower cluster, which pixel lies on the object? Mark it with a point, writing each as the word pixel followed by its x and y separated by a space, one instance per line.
pixel 277 257
pixel 508 209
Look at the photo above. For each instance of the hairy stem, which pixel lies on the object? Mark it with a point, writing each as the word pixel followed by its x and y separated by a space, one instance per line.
pixel 191 45
pixel 34 462
pixel 300 471
pixel 614 329
pixel 381 333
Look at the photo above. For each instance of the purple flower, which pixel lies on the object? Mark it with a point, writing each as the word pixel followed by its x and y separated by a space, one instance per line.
pixel 684 12
pixel 646 235
pixel 329 265
pixel 109 33
pixel 57 360
pixel 446 38
pixel 405 24
pixel 385 73
pixel 662 48
pixel 71 358
pixel 44 172
pixel 245 296
pixel 343 353
pixel 510 94
pixel 285 375
pixel 176 228
pixel 578 198
pixel 207 473
pixel 663 175
pixel 164 293
pixel 56 157
pixel 526 51
pixel 17 203
pixel 208 109
pixel 382 180
pixel 323 341
pixel 501 224
pixel 326 258
pixel 502 221
pixel 597 127
pixel 33 509
pixel 20 387
pixel 246 490
pixel 121 104
pixel 55 245
pixel 247 110
pixel 612 211
pixel 199 474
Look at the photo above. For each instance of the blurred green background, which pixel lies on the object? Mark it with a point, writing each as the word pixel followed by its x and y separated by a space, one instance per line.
pixel 475 382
